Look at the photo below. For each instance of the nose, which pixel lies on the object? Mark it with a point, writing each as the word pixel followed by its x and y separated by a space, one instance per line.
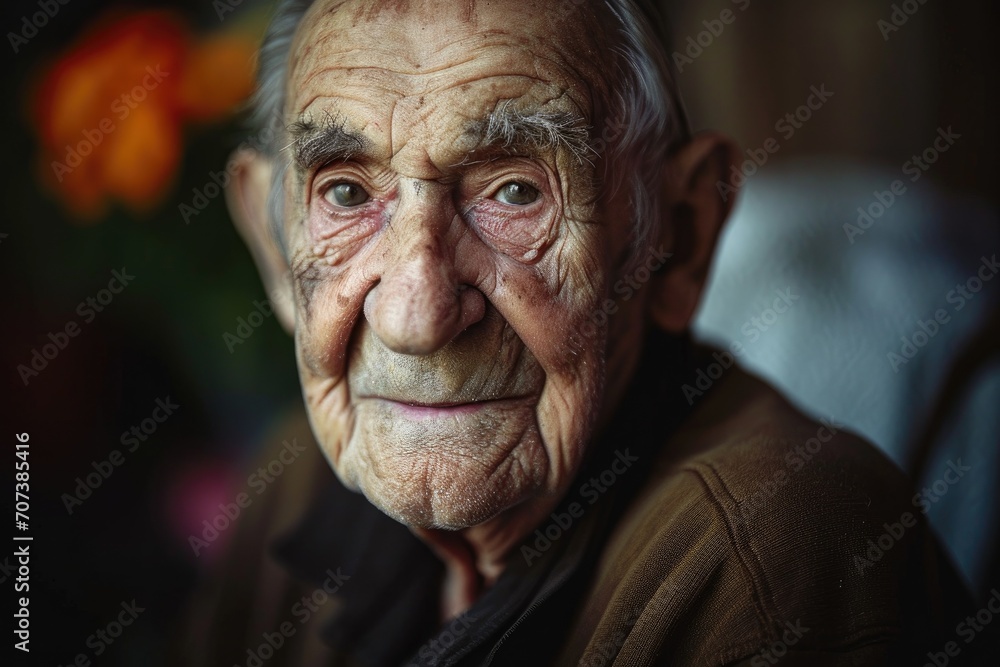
pixel 419 305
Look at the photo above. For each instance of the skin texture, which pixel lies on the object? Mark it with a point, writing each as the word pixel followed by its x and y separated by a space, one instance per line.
pixel 441 331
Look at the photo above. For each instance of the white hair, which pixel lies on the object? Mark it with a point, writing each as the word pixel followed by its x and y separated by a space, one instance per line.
pixel 645 117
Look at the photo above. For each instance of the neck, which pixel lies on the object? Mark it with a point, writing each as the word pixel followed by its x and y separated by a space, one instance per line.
pixel 475 557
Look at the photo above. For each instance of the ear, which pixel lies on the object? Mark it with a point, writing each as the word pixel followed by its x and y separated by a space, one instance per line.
pixel 246 197
pixel 699 198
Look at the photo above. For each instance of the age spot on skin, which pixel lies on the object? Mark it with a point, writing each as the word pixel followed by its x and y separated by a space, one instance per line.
pixel 308 278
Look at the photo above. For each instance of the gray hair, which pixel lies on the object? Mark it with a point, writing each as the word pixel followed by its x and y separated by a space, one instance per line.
pixel 644 122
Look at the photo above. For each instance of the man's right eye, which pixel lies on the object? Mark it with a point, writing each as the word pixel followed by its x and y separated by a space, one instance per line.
pixel 346 194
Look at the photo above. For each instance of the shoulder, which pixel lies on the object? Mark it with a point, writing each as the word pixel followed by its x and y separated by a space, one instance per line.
pixel 760 526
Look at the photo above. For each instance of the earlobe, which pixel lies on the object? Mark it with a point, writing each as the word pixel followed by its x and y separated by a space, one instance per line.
pixel 246 197
pixel 699 197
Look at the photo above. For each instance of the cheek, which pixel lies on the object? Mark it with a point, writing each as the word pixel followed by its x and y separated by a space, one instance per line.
pixel 554 323
pixel 336 237
pixel 521 235
pixel 333 247
pixel 551 306
pixel 330 298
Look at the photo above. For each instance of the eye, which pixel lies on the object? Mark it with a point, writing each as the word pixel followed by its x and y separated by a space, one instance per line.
pixel 516 193
pixel 346 194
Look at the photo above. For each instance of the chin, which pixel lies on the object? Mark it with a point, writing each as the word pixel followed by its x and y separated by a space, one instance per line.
pixel 428 476
pixel 455 516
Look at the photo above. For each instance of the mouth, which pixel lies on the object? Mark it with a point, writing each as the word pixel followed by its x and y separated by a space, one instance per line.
pixel 435 410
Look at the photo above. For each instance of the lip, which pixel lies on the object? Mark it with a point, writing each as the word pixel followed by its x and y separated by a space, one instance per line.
pixel 420 410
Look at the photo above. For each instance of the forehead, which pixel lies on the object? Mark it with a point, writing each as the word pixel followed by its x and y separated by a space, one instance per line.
pixel 377 60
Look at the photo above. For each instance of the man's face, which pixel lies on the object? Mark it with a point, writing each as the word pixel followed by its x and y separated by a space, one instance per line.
pixel 449 248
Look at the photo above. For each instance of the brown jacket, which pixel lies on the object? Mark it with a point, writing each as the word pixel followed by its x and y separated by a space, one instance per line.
pixel 764 536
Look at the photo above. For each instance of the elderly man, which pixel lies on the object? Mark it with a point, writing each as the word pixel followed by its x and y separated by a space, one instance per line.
pixel 491 227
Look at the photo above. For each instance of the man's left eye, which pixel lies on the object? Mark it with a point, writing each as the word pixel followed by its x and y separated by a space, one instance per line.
pixel 346 194
pixel 516 193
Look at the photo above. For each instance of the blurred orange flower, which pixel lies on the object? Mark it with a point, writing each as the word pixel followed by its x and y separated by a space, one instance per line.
pixel 110 111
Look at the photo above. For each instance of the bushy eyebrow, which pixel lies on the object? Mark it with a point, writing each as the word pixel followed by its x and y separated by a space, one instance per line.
pixel 315 143
pixel 504 130
pixel 516 132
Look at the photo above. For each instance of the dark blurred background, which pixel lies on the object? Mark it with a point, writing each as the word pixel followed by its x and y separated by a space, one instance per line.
pixel 891 94
pixel 142 203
